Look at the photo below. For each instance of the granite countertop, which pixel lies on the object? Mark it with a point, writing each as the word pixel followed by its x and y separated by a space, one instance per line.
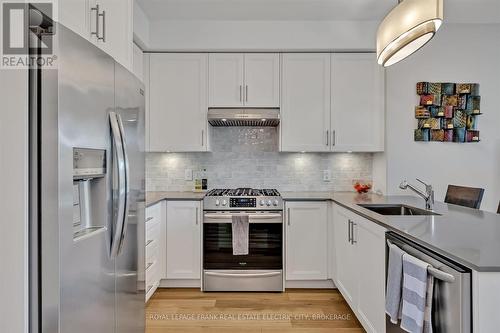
pixel 468 236
pixel 155 197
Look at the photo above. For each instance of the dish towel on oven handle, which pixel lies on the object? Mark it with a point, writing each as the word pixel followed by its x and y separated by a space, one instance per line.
pixel 416 295
pixel 240 226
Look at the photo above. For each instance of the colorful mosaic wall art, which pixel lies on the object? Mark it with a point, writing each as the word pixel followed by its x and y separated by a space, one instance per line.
pixel 447 112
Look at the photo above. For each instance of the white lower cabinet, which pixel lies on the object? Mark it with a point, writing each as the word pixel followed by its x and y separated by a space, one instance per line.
pixel 183 240
pixel 345 255
pixel 306 240
pixel 153 257
pixel 370 241
pixel 360 266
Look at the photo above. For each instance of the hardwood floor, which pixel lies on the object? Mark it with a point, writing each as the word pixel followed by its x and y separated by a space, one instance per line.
pixel 295 311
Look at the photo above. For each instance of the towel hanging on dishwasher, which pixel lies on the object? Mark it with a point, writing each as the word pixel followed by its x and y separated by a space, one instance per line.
pixel 394 283
pixel 414 296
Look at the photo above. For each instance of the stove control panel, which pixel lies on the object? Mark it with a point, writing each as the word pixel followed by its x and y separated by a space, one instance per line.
pixel 242 202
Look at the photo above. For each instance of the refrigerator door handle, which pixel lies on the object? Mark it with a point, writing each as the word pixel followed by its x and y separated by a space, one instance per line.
pixel 119 164
pixel 127 184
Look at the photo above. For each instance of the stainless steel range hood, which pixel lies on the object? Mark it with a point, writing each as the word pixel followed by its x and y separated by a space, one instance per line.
pixel 244 116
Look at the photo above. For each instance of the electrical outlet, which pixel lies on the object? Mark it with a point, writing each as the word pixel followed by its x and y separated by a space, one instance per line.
pixel 188 174
pixel 327 176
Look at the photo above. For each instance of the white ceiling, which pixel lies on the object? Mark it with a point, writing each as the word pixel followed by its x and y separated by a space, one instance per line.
pixel 467 11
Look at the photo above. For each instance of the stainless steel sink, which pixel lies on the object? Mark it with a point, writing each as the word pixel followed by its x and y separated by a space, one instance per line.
pixel 401 210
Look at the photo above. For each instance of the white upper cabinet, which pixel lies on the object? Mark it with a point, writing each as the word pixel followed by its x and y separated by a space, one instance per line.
pixel 306 240
pixel 238 80
pixel 138 63
pixel 178 102
pixel 357 103
pixel 305 102
pixel 346 116
pixel 262 80
pixel 226 79
pixel 106 23
pixel 117 30
pixel 75 15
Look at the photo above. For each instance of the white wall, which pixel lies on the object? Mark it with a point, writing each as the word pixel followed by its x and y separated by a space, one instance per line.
pixel 13 200
pixel 196 35
pixel 458 53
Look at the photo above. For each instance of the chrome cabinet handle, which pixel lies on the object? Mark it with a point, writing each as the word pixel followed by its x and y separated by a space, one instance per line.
pixel 349 231
pixel 96 32
pixel 241 93
pixel 288 216
pixel 246 93
pixel 327 137
pixel 149 219
pixel 334 139
pixel 103 38
pixel 353 241
pixel 253 216
pixel 197 216
pixel 149 242
pixel 202 137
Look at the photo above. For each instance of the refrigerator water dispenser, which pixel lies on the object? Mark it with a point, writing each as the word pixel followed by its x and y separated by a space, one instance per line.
pixel 89 171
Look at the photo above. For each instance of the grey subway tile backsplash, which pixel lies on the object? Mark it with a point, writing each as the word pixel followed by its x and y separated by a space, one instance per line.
pixel 249 157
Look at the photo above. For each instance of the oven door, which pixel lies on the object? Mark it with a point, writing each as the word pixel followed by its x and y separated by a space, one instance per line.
pixel 265 242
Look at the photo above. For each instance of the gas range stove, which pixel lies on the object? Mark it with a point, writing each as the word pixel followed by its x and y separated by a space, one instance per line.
pixel 243 199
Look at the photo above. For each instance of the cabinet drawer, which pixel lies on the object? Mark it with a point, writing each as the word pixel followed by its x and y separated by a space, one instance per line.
pixel 153 212
pixel 152 252
pixel 152 277
pixel 153 230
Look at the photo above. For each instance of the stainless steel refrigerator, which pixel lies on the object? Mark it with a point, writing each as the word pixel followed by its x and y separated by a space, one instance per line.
pixel 87 191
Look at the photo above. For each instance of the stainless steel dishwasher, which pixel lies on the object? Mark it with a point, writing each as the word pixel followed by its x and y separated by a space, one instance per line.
pixel 452 299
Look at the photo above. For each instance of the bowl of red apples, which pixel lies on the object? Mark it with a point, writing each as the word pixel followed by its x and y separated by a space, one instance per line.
pixel 362 187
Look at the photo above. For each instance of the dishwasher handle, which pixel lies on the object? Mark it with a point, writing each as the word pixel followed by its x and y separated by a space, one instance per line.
pixel 438 274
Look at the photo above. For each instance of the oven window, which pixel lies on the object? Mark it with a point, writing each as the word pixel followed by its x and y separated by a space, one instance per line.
pixel 265 247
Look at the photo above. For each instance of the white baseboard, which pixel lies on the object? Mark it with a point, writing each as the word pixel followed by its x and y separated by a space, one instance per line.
pixel 310 284
pixel 188 283
pixel 304 284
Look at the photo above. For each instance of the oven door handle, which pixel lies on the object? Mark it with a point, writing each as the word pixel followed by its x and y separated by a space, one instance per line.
pixel 252 216
pixel 243 275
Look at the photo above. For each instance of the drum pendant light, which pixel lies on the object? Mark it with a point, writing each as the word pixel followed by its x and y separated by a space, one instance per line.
pixel 407 27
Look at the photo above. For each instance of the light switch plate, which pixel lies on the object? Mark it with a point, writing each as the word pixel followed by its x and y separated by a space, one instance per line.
pixel 327 176
pixel 188 174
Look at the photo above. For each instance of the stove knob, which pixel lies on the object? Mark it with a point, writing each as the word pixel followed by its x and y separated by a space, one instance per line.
pixel 217 202
pixel 262 202
pixel 269 202
pixel 275 202
pixel 224 202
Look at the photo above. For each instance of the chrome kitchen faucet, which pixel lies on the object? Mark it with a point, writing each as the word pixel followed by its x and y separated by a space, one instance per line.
pixel 428 195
